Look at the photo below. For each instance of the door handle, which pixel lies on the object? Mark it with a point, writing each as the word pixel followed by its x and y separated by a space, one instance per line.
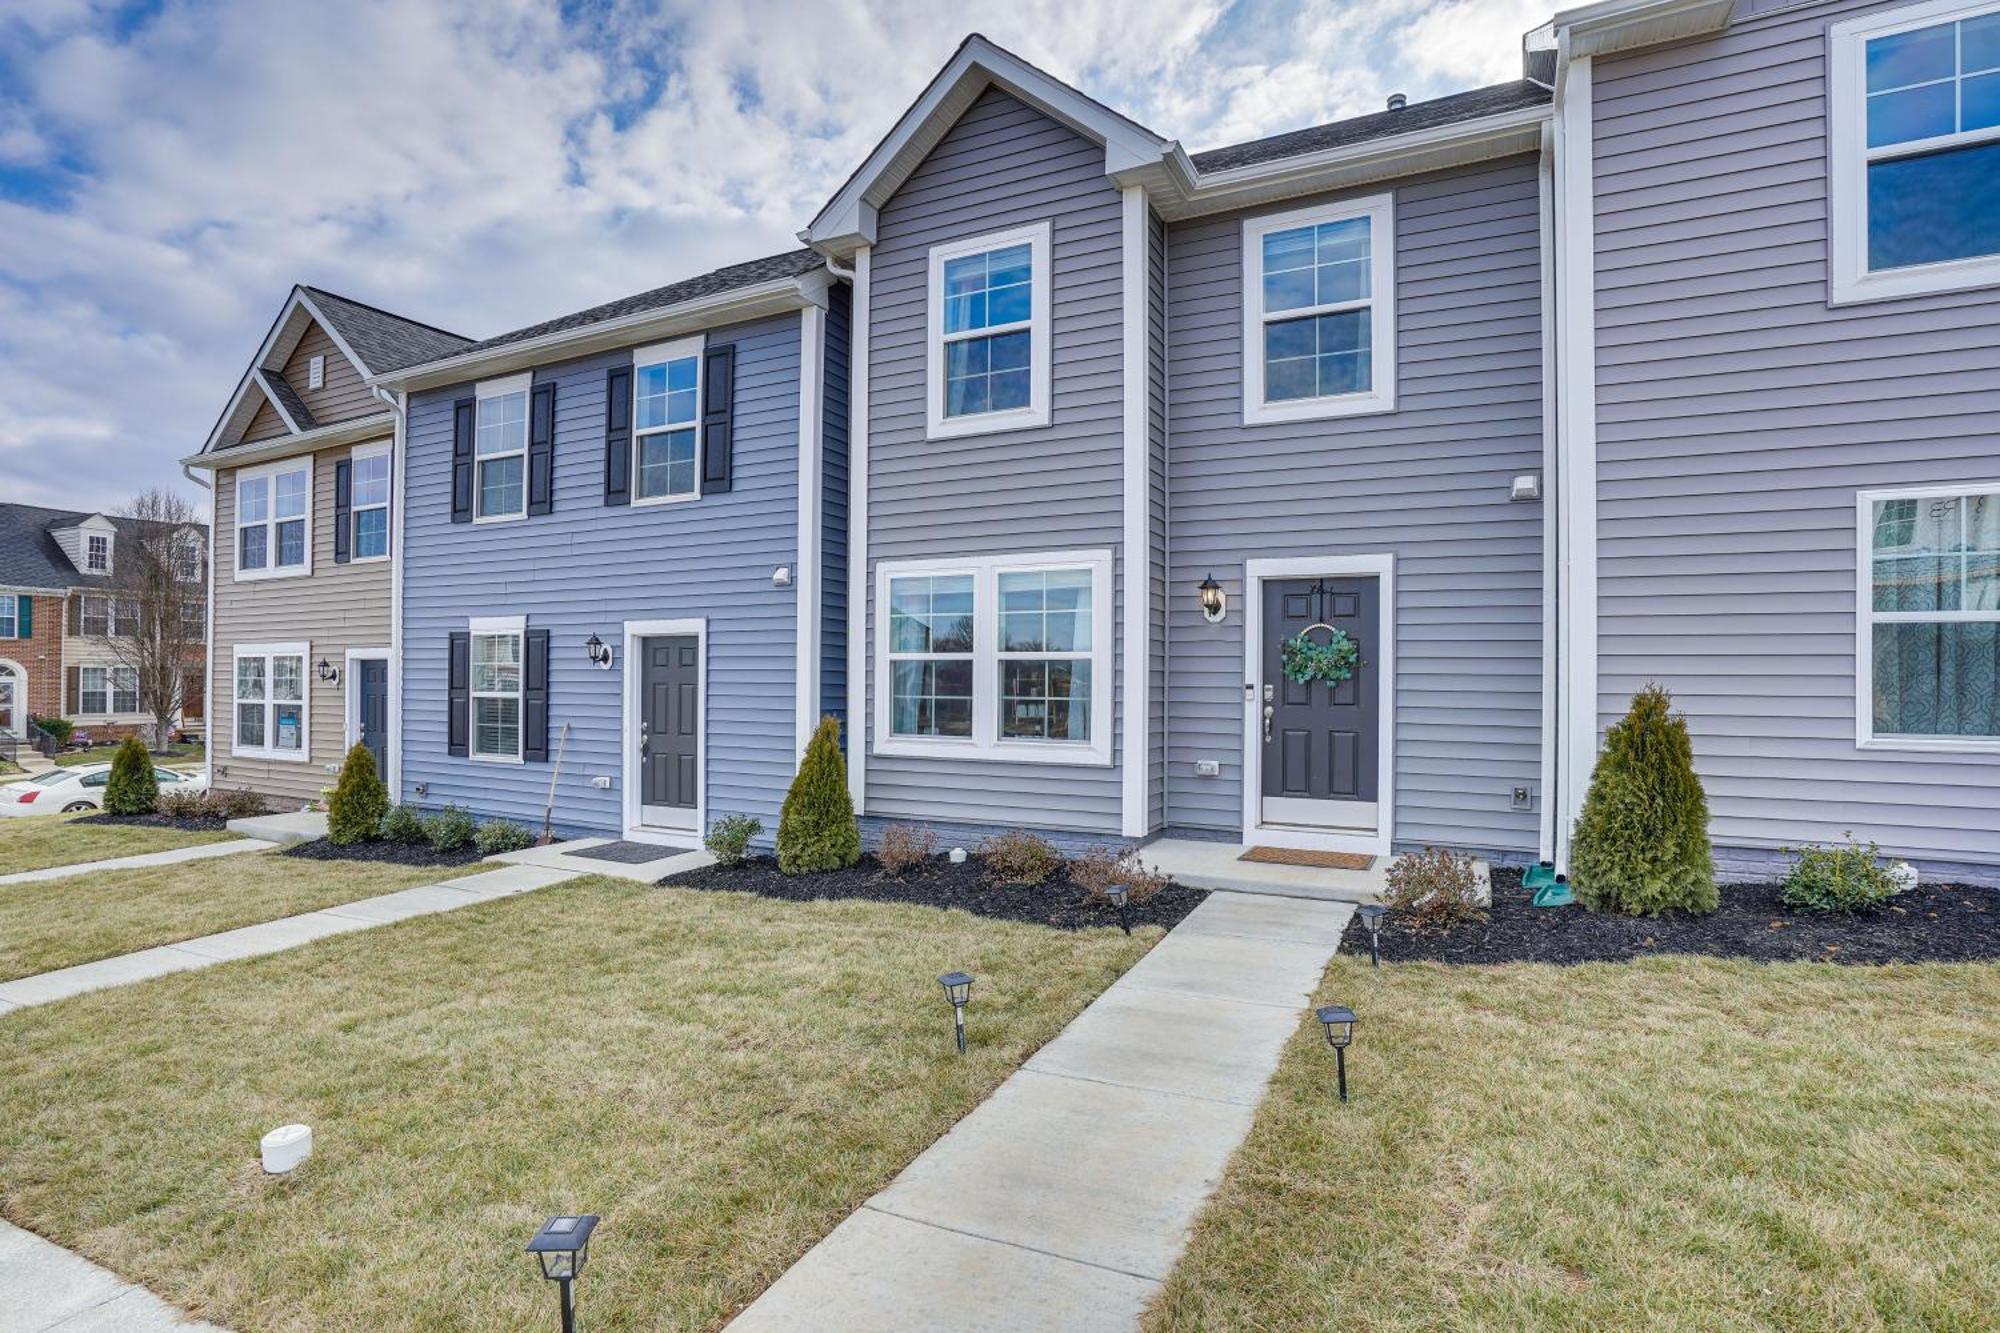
pixel 1270 711
pixel 645 736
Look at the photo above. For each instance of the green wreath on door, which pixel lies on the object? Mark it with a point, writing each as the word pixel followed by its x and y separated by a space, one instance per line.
pixel 1305 661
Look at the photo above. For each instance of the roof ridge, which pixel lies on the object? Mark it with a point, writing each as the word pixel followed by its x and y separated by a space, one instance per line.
pixel 364 305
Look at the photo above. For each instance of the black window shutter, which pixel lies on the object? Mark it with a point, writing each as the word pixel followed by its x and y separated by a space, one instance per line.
pixel 535 698
pixel 618 435
pixel 458 690
pixel 73 690
pixel 718 401
pixel 75 603
pixel 463 414
pixel 343 512
pixel 541 449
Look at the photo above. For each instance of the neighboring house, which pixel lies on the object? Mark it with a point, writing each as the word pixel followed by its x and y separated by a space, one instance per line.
pixel 302 464
pixel 61 620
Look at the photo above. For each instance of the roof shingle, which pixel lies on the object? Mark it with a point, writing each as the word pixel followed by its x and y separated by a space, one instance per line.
pixel 386 342
pixel 1493 101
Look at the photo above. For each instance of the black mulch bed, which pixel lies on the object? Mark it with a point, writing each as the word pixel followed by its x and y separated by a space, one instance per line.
pixel 393 853
pixel 185 823
pixel 1934 923
pixel 1056 903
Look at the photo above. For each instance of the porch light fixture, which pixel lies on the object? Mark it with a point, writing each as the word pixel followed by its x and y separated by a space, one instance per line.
pixel 1371 915
pixel 563 1247
pixel 1214 601
pixel 957 989
pixel 327 671
pixel 1121 898
pixel 1338 1020
pixel 599 652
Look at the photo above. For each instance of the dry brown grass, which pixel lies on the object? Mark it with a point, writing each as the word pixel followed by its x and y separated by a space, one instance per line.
pixel 1674 1144
pixel 39 842
pixel 723 1077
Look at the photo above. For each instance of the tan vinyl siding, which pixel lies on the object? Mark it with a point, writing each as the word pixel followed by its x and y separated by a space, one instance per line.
pixel 266 425
pixel 334 608
pixel 343 396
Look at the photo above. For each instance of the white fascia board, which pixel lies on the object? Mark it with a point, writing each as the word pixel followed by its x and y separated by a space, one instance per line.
pixel 376 425
pixel 1623 25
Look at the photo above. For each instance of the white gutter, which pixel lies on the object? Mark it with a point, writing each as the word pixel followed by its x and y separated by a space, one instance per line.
pixel 1623 25
pixel 393 743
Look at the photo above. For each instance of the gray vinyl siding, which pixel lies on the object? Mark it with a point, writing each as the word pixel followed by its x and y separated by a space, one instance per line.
pixel 587 568
pixel 1156 520
pixel 1427 482
pixel 1003 165
pixel 833 509
pixel 1738 415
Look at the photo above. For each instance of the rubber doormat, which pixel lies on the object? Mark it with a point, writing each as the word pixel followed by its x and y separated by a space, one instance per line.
pixel 1286 856
pixel 626 853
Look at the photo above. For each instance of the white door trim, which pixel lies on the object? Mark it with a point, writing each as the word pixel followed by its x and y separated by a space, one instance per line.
pixel 635 630
pixel 1381 566
pixel 350 726
pixel 14 672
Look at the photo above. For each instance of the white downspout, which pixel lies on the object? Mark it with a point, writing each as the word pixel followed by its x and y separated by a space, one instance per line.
pixel 208 719
pixel 399 404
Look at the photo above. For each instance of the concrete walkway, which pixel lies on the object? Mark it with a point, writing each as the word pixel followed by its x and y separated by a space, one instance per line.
pixel 199 852
pixel 294 826
pixel 574 855
pixel 45 1288
pixel 1064 1199
pixel 274 936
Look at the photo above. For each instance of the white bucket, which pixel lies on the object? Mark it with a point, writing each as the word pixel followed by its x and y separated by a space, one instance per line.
pixel 285 1147
pixel 958 856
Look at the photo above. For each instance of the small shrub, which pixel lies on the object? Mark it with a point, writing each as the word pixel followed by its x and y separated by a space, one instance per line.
pixel 405 823
pixel 1641 844
pixel 1100 867
pixel 354 811
pixel 181 804
pixel 816 829
pixel 450 829
pixel 60 729
pixel 132 788
pixel 728 839
pixel 232 804
pixel 501 835
pixel 904 848
pixel 1019 857
pixel 1434 889
pixel 1838 879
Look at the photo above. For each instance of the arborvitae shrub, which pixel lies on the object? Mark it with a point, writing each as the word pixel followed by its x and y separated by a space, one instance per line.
pixel 131 788
pixel 816 829
pixel 354 811
pixel 1641 844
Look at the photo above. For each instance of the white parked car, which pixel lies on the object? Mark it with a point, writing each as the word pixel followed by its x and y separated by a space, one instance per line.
pixel 81 788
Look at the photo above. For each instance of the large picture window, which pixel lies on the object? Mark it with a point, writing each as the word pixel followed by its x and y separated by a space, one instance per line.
pixel 500 449
pixel 1916 149
pixel 666 416
pixel 1319 327
pixel 1000 657
pixel 269 712
pixel 1929 640
pixel 274 520
pixel 496 689
pixel 989 333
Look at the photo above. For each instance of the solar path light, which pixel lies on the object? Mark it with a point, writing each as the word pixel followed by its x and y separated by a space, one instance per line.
pixel 563 1246
pixel 1338 1020
pixel 957 989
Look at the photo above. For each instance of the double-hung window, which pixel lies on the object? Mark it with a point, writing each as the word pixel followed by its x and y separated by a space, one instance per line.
pixel 100 616
pixel 1003 657
pixel 10 615
pixel 500 449
pixel 666 416
pixel 368 497
pixel 270 706
pixel 103 691
pixel 98 557
pixel 274 520
pixel 1319 311
pixel 1928 639
pixel 497 688
pixel 1915 120
pixel 988 365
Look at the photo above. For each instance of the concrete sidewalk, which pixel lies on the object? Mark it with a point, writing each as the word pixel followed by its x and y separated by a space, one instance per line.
pixel 273 936
pixel 199 852
pixel 44 1288
pixel 1065 1198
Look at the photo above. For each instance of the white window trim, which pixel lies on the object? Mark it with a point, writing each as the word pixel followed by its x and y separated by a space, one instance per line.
pixel 271 569
pixel 937 426
pixel 481 625
pixel 1866 617
pixel 986 741
pixel 380 449
pixel 677 350
pixel 110 692
pixel 269 750
pixel 523 383
pixel 90 539
pixel 12 610
pixel 1849 155
pixel 636 829
pixel 1380 210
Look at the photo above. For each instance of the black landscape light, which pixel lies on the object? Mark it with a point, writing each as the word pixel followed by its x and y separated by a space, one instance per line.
pixel 1339 1021
pixel 563 1246
pixel 957 989
pixel 1371 915
pixel 1121 898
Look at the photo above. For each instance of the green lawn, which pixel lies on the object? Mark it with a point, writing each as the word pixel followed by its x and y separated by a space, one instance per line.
pixel 722 1077
pixel 47 924
pixel 37 842
pixel 1673 1144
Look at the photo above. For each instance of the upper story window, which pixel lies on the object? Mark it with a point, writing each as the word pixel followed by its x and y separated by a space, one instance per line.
pixel 988 363
pixel 1319 311
pixel 103 617
pixel 98 557
pixel 274 520
pixel 666 415
pixel 500 449
pixel 1928 640
pixel 368 481
pixel 1916 150
pixel 10 616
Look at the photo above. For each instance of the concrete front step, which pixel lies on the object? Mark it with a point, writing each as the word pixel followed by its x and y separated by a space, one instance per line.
pixel 1215 865
pixel 285 829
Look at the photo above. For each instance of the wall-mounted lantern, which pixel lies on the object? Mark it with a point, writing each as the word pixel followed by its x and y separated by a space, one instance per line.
pixel 327 671
pixel 1214 601
pixel 599 652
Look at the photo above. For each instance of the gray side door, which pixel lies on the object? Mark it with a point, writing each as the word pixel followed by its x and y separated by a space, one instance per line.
pixel 670 730
pixel 1321 742
pixel 373 689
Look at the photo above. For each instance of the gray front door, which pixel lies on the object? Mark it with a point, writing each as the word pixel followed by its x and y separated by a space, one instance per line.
pixel 373 688
pixel 670 731
pixel 1321 742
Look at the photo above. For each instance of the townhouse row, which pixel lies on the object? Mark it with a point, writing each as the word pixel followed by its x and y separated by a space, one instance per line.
pixel 1049 455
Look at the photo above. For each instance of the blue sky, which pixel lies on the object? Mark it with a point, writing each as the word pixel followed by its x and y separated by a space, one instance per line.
pixel 168 170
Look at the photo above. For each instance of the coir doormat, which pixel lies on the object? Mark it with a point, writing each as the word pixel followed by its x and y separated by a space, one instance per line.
pixel 626 853
pixel 1288 856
